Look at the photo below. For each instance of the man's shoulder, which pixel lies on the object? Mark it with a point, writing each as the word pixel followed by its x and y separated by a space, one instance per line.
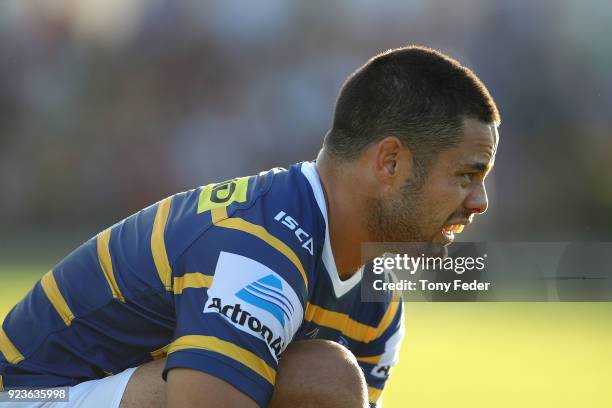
pixel 283 212
pixel 268 192
pixel 276 196
pixel 271 218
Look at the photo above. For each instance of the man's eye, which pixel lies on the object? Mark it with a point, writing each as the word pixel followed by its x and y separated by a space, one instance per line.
pixel 468 177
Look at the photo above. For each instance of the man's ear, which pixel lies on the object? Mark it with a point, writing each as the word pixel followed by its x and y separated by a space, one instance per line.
pixel 393 162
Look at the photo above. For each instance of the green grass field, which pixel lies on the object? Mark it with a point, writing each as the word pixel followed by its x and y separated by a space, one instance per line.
pixel 477 354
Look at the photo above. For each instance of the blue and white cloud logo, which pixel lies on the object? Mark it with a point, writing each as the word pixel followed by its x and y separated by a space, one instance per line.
pixel 254 299
pixel 267 293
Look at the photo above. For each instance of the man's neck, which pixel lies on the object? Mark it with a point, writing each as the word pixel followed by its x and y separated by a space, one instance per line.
pixel 344 216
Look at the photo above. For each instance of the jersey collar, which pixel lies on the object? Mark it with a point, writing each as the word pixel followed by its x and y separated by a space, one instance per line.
pixel 309 170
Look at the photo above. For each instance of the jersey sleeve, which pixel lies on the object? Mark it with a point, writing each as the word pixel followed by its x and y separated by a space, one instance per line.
pixel 378 357
pixel 239 293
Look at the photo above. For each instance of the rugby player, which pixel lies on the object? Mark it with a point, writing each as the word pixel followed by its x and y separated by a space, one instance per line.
pixel 246 293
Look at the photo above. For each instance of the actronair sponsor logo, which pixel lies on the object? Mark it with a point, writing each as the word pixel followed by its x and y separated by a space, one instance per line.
pixel 266 293
pixel 237 315
pixel 255 300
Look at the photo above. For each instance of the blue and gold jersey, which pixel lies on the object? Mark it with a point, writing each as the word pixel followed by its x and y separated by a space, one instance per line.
pixel 218 279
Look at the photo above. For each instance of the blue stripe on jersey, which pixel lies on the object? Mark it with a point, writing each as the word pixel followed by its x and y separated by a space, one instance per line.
pixel 131 254
pixel 81 273
pixel 34 311
pixel 184 224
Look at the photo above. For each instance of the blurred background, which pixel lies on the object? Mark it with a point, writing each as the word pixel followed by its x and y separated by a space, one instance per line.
pixel 109 105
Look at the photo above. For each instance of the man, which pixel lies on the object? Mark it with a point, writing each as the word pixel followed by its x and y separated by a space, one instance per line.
pixel 246 293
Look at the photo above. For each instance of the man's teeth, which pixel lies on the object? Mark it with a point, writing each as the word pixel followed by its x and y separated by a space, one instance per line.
pixel 456 228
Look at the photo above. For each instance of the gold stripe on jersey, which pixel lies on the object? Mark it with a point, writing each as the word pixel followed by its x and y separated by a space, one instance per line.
pixel 104 257
pixel 158 244
pixel 227 349
pixel 341 322
pixel 54 295
pixel 1 384
pixel 160 352
pixel 8 349
pixel 389 314
pixel 221 219
pixel 351 328
pixel 191 280
pixel 370 359
pixel 374 394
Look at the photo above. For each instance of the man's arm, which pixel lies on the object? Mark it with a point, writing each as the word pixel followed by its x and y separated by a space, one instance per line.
pixel 192 388
pixel 238 303
pixel 184 388
pixel 312 373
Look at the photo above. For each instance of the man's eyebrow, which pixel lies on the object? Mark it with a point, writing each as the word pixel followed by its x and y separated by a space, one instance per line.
pixel 478 166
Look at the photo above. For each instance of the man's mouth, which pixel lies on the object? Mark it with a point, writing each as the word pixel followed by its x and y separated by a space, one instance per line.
pixel 449 231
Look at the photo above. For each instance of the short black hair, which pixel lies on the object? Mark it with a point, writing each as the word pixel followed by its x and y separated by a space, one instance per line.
pixel 415 93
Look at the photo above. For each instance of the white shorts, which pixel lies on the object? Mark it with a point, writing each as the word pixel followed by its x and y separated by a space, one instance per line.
pixel 103 393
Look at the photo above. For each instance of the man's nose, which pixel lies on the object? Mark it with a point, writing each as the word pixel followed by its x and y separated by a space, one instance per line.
pixel 477 201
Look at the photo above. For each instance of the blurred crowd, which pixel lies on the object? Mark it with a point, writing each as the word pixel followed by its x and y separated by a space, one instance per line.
pixel 109 105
